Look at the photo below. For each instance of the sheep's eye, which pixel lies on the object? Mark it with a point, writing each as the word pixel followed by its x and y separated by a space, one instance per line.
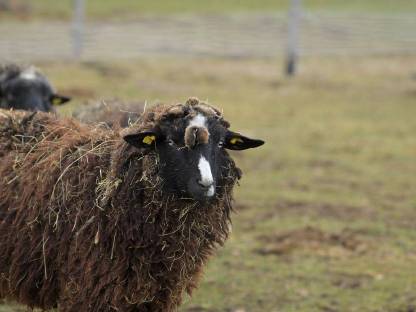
pixel 171 142
pixel 220 144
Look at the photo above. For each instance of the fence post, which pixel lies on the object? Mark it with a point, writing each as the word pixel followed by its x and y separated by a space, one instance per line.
pixel 78 28
pixel 293 37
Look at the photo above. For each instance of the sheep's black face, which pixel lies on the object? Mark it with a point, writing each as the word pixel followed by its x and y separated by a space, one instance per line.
pixel 191 149
pixel 29 91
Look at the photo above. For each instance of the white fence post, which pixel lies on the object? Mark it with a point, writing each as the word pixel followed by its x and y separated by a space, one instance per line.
pixel 293 37
pixel 78 28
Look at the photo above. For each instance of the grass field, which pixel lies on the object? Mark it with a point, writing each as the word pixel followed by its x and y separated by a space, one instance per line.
pixel 121 9
pixel 325 212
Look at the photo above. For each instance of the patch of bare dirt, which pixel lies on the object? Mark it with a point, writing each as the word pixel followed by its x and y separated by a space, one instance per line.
pixel 314 240
pixel 408 305
pixel 410 308
pixel 338 211
pixel 352 281
pixel 372 188
pixel 329 210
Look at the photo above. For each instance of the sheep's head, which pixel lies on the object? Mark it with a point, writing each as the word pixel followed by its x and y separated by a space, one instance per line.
pixel 27 90
pixel 190 140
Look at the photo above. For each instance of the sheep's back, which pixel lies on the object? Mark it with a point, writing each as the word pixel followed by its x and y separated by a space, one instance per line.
pixel 48 173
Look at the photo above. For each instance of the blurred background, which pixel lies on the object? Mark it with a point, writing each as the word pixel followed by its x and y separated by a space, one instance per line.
pixel 325 213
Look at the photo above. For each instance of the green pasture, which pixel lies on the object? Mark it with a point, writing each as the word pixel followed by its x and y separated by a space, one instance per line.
pixel 121 9
pixel 325 213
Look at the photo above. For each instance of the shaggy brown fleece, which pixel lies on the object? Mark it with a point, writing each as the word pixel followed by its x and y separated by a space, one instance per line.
pixel 84 225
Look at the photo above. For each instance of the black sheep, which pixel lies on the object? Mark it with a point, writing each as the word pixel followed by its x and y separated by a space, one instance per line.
pixel 27 89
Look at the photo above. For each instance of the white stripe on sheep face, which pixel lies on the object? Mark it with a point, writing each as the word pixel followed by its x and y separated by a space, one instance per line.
pixel 198 121
pixel 206 176
pixel 203 165
pixel 205 170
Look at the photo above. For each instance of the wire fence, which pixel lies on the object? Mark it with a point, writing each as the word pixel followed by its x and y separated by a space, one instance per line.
pixel 228 35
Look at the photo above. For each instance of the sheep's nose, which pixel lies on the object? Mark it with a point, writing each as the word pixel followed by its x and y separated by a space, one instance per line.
pixel 207 187
pixel 205 183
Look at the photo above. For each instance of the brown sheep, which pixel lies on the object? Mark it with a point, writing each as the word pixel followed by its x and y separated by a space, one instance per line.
pixel 94 220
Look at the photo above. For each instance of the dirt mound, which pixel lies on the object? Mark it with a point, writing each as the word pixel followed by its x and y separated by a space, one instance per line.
pixel 348 280
pixel 311 239
pixel 317 211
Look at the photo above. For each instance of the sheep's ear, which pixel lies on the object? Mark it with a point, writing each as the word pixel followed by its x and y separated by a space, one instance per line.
pixel 57 99
pixel 236 141
pixel 146 139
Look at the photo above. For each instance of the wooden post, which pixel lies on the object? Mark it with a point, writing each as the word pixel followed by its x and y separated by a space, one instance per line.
pixel 78 28
pixel 293 37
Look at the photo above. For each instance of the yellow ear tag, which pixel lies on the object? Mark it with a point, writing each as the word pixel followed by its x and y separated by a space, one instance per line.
pixel 235 140
pixel 148 139
pixel 56 101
